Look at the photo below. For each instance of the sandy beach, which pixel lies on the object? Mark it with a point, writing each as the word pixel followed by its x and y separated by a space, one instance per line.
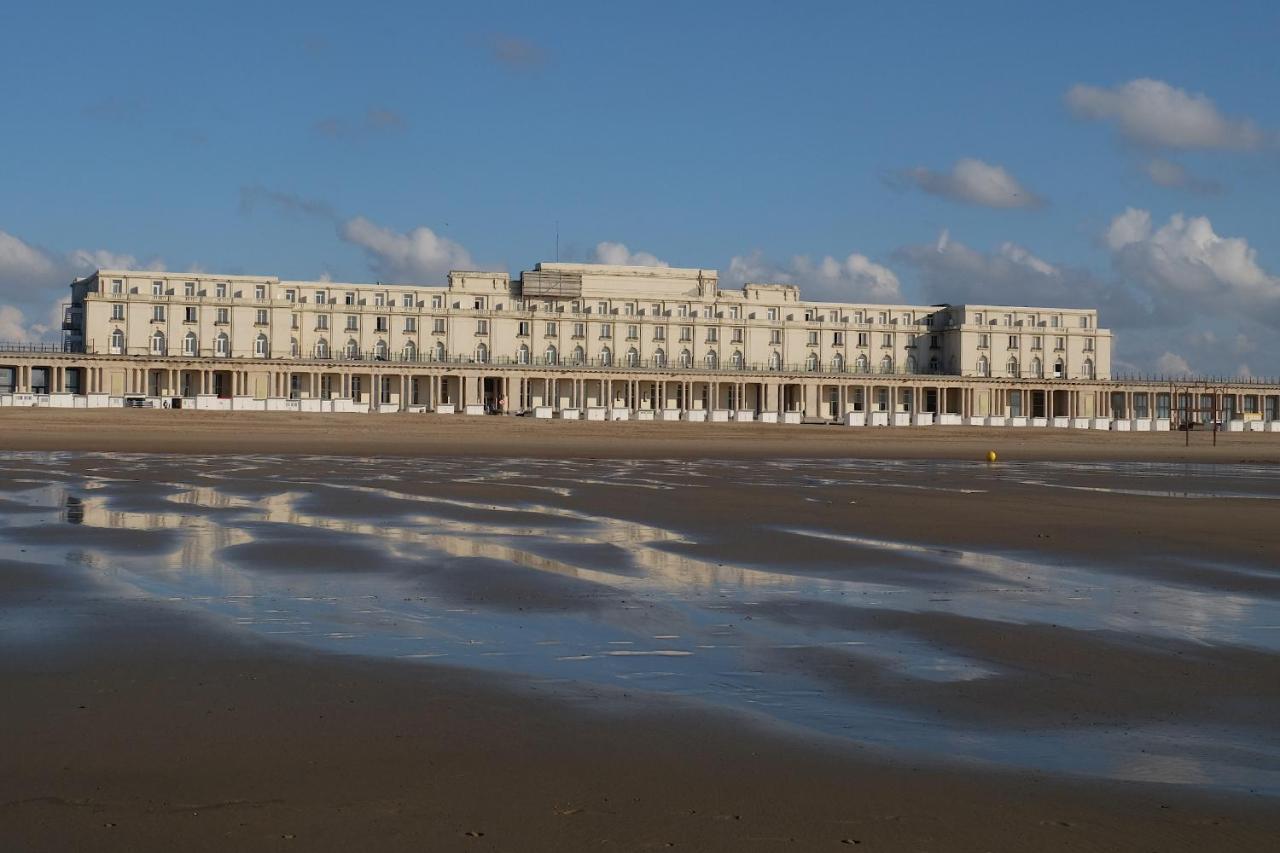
pixel 276 632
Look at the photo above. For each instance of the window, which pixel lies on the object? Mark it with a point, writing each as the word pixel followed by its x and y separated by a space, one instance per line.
pixel 552 355
pixel 1058 369
pixel 735 312
pixel 579 330
pixel 1055 320
pixel 220 290
pixel 837 339
pixel 772 314
pixel 1059 343
pixel 1084 322
pixel 157 288
pixel 157 313
pixel 322 348
pixel 259 291
pixel 1037 368
pixel 837 362
pixel 659 333
pixel 222 345
pixel 912 365
pixel 606 330
pixel 482 352
pixel 522 354
pixel 886 365
pixel 293 321
pixel 478 303
pixel 1088 344
pixel 713 334
pixel 686 333
pixel 984 366
pixel 322 297
pixel 322 321
pixel 410 325
pixel 157 343
pixel 1013 342
pixel 775 336
pixel 984 341
pixel 1035 342
pixel 349 298
pixel 353 348
pixel 886 340
pixel 738 335
pixel 775 360
pixel 686 358
pixel 633 332
pixel 682 311
pixel 633 357
pixel 262 317
pixel 934 342
pixel 290 296
pixel 189 314
pixel 379 299
pixel 117 285
pixel 660 358
pixel 437 326
pixel 1088 368
pixel 862 365
pixel 381 324
pixel 813 339
pixel 864 339
pixel 736 360
pixel 579 355
pixel 439 353
pixel 353 322
pixel 522 329
pixel 630 309
pixel 260 346
pixel 117 341
pixel 1011 368
pixel 117 312
pixel 189 288
pixel 482 327
pixel 406 300
pixel 437 301
pixel 711 360
pixel 293 347
pixel 606 357
pixel 602 307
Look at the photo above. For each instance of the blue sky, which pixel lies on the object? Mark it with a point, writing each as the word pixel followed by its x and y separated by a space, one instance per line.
pixel 980 151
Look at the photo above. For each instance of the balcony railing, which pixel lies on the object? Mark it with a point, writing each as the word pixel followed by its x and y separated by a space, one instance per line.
pixel 38 347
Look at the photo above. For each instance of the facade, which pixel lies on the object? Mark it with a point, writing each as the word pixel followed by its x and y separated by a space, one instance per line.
pixel 592 341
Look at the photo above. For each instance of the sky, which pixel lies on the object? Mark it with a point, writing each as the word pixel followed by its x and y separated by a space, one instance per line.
pixel 1119 156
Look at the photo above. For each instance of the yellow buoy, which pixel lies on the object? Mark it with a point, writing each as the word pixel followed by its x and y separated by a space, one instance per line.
pixel 991 456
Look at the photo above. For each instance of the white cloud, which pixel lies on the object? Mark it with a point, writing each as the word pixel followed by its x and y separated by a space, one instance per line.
pixel 974 182
pixel 618 254
pixel 856 278
pixel 1172 364
pixel 1152 112
pixel 1166 173
pixel 415 256
pixel 33 284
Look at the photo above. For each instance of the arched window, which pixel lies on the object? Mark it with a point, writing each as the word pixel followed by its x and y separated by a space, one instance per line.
pixel 552 355
pixel 837 362
pixel 380 350
pixel 862 365
pixel 606 357
pixel 482 353
pixel 775 360
pixel 811 361
pixel 117 341
pixel 260 346
pixel 189 344
pixel 522 354
pixel 1012 367
pixel 912 364
pixel 322 348
pixel 633 357
pixel 353 348
pixel 579 355
pixel 660 358
pixel 1088 368
pixel 157 343
pixel 1037 368
pixel 222 345
pixel 1058 370
pixel 293 347
pixel 440 354
pixel 984 366
pixel 686 358
pixel 736 359
pixel 711 360
pixel 410 351
pixel 933 364
pixel 886 365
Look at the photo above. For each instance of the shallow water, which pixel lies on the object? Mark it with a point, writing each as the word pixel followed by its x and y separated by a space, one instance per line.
pixel 340 556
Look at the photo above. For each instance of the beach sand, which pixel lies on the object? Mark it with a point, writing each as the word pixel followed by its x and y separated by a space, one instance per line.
pixel 132 725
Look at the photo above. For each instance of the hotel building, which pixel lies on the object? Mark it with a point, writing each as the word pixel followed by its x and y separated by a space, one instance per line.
pixel 585 341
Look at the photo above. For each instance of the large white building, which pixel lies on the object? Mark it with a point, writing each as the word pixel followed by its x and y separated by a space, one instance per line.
pixel 581 340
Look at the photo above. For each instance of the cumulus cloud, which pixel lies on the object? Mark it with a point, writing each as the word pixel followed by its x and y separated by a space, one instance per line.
pixel 1166 173
pixel 619 255
pixel 419 255
pixel 1172 364
pixel 856 278
pixel 517 54
pixel 33 284
pixel 972 182
pixel 1154 113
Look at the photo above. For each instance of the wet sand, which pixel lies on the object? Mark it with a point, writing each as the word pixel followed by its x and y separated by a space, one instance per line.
pixel 1093 602
pixel 176 431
